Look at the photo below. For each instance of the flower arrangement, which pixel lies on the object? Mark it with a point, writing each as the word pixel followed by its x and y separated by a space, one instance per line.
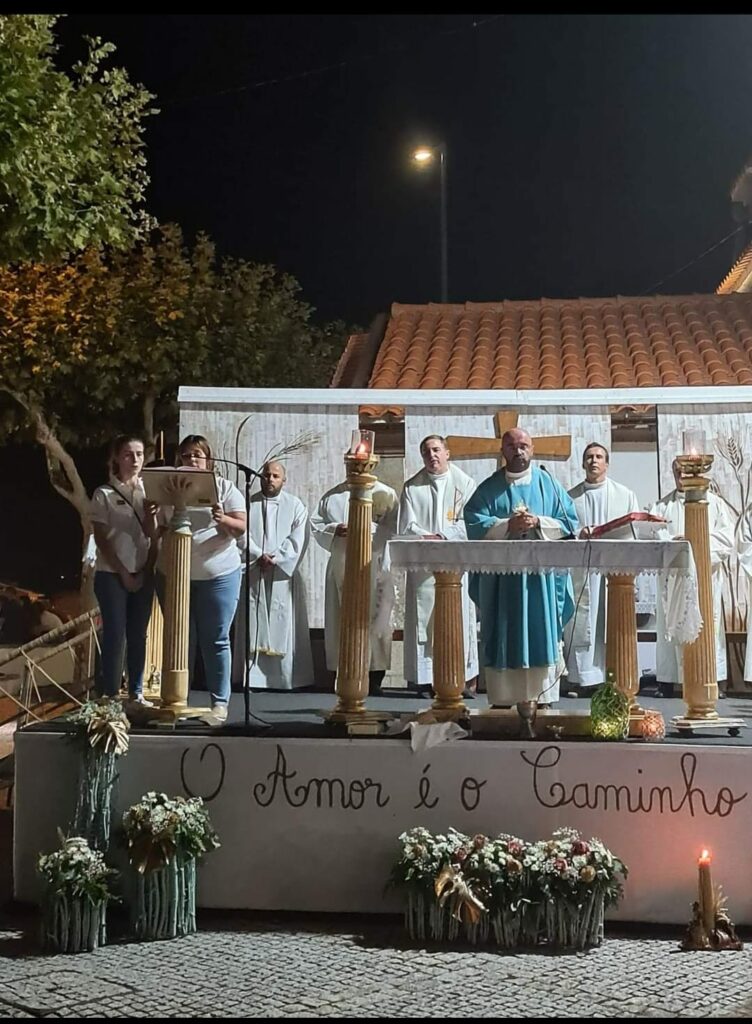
pixel 575 881
pixel 166 836
pixel 75 894
pixel 100 730
pixel 514 892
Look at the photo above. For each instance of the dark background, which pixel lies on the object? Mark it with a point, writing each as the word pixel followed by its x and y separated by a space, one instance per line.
pixel 587 156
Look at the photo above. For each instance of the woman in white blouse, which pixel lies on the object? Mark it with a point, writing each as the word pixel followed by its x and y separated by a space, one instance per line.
pixel 125 534
pixel 215 573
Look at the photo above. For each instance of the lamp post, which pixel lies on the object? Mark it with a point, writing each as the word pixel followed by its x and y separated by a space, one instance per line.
pixel 423 156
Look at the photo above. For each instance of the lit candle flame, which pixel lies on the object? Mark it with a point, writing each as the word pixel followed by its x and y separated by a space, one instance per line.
pixel 704 857
pixel 361 449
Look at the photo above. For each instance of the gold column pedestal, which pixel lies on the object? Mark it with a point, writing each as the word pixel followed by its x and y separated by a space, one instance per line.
pixel 355 622
pixel 448 648
pixel 700 684
pixel 621 639
pixel 175 670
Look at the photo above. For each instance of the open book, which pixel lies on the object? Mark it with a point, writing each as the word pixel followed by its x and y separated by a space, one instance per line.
pixel 631 517
pixel 201 492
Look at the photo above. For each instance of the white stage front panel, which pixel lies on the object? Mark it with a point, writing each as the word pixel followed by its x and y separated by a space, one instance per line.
pixel 312 824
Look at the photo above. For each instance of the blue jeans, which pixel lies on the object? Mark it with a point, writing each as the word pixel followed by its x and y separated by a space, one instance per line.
pixel 212 609
pixel 125 620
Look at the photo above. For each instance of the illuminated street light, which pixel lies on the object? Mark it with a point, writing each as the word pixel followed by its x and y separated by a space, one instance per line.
pixel 424 156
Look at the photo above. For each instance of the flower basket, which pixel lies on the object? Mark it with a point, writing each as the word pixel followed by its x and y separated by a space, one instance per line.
pixel 574 881
pixel 100 730
pixel 74 898
pixel 164 906
pixel 166 837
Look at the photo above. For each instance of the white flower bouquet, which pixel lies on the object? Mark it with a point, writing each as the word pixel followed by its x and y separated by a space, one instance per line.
pixel 76 890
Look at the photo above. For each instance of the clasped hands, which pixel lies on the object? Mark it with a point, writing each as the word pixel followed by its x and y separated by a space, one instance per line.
pixel 522 522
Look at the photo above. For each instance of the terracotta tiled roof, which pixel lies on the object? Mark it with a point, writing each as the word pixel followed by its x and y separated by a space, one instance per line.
pixel 737 278
pixel 657 341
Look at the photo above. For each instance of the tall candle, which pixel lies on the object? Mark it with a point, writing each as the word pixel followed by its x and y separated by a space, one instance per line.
pixel 707 902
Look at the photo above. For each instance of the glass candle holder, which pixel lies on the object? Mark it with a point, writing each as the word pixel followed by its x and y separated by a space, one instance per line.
pixel 693 441
pixel 653 726
pixel 361 444
pixel 609 713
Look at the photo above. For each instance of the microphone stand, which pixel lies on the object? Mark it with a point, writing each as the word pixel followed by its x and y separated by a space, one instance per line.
pixel 248 473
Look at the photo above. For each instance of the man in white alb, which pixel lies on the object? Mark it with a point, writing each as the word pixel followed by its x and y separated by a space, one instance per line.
pixel 598 500
pixel 329 528
pixel 278 620
pixel 431 506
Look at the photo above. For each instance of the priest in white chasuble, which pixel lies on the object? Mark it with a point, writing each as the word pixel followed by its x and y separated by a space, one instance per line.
pixel 668 656
pixel 431 506
pixel 597 500
pixel 329 529
pixel 277 620
pixel 522 616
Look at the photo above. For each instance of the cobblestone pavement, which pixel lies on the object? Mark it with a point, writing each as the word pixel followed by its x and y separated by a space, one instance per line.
pixel 257 965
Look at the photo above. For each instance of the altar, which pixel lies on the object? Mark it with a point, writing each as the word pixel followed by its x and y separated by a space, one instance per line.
pixel 619 560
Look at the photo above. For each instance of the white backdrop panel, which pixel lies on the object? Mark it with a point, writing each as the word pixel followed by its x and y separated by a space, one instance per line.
pixel 313 824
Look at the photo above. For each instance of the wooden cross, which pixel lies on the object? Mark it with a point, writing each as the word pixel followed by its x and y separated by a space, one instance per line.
pixel 554 447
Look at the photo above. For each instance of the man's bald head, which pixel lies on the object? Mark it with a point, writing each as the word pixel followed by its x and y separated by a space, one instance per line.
pixel 517 449
pixel 273 477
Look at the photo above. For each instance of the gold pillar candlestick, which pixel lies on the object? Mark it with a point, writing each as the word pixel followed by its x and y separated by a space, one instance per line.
pixel 448 647
pixel 707 898
pixel 621 640
pixel 355 622
pixel 699 685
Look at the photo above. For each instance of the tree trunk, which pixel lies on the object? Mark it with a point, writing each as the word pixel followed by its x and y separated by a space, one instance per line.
pixel 65 478
pixel 148 429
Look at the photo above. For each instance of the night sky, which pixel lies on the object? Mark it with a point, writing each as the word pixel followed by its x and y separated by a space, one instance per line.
pixel 587 155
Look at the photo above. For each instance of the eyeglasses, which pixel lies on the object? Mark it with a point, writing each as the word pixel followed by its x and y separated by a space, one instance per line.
pixel 188 456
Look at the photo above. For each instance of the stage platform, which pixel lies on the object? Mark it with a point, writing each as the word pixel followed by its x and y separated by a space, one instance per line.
pixel 309 821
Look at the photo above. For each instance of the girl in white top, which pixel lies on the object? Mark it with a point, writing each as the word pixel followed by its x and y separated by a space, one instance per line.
pixel 215 573
pixel 125 534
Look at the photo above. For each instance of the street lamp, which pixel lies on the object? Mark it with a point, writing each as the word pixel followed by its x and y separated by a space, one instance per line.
pixel 423 157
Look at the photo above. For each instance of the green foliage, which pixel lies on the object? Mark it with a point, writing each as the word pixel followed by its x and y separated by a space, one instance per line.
pixel 102 342
pixel 72 166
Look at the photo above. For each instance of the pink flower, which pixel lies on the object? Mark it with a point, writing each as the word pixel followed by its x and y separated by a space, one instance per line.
pixel 515 848
pixel 580 847
pixel 479 841
pixel 461 854
pixel 560 865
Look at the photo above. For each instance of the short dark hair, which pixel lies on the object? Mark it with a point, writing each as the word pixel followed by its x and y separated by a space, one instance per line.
pixel 597 444
pixel 431 437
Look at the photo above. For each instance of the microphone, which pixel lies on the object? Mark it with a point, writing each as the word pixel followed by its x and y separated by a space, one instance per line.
pixel 238 465
pixel 572 530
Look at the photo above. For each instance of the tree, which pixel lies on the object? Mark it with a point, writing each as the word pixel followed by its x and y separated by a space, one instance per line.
pixel 101 344
pixel 72 166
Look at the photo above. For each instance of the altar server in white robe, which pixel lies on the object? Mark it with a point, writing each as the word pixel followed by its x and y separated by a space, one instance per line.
pixel 598 500
pixel 329 528
pixel 431 507
pixel 278 620
pixel 668 656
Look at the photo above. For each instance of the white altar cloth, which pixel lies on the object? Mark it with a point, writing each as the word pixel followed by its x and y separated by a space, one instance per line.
pixel 671 560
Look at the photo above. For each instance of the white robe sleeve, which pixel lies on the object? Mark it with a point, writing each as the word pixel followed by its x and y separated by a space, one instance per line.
pixel 289 552
pixel 407 524
pixel 721 534
pixel 323 525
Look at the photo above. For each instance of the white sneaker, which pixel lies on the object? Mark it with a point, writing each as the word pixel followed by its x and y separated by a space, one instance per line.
pixel 140 701
pixel 217 716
